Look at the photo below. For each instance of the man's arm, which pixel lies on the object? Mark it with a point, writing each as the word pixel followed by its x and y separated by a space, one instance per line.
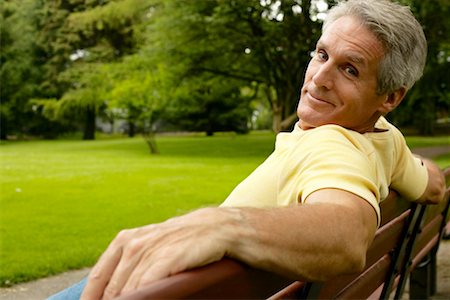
pixel 325 237
pixel 435 189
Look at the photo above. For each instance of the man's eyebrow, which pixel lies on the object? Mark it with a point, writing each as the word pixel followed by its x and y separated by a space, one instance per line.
pixel 357 59
pixel 319 44
pixel 351 57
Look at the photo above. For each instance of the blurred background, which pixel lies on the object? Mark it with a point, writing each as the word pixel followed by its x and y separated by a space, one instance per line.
pixel 149 66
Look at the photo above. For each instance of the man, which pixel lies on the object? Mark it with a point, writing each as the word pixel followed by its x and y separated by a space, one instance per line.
pixel 310 211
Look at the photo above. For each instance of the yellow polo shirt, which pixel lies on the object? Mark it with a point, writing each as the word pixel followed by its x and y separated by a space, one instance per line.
pixel 331 156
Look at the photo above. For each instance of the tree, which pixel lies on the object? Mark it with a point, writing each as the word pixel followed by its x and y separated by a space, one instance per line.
pixel 430 97
pixel 432 93
pixel 220 56
pixel 266 45
pixel 140 94
pixel 89 34
pixel 32 63
pixel 210 103
pixel 260 44
pixel 86 98
pixel 19 73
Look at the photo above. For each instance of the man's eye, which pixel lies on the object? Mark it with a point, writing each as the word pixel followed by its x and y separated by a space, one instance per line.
pixel 322 55
pixel 351 71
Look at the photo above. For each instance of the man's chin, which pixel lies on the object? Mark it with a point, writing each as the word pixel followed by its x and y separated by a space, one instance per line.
pixel 306 125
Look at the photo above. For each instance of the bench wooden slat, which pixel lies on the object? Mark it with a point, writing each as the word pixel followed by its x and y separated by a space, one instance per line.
pixel 386 238
pixel 421 264
pixel 367 282
pixel 224 279
pixel 428 236
pixel 292 291
pixel 392 207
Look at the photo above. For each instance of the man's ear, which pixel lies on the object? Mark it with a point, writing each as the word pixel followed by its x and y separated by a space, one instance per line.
pixel 392 100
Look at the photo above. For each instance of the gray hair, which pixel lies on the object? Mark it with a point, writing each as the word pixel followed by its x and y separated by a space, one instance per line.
pixel 405 46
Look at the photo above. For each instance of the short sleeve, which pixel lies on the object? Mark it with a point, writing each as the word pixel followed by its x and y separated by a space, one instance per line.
pixel 336 160
pixel 410 175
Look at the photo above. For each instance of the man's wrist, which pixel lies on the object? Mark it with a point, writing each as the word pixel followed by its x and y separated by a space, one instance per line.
pixel 236 231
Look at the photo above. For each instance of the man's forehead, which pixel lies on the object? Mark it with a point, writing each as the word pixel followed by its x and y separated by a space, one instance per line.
pixel 353 39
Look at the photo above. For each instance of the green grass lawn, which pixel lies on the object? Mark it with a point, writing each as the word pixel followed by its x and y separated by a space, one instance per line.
pixel 63 201
pixel 427 141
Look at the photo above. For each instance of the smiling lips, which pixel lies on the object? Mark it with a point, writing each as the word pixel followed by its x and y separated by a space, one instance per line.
pixel 315 99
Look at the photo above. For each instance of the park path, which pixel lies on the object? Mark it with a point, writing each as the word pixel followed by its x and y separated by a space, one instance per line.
pixel 42 288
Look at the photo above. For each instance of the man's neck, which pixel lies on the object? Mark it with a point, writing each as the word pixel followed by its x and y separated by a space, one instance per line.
pixel 363 129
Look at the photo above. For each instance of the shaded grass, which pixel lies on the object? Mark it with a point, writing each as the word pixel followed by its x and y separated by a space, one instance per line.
pixel 443 160
pixel 427 141
pixel 63 201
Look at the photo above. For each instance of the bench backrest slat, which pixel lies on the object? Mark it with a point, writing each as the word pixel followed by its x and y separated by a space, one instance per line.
pixel 429 236
pixel 224 279
pixel 381 257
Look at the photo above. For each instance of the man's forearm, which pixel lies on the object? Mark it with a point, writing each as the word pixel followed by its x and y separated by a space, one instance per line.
pixel 311 241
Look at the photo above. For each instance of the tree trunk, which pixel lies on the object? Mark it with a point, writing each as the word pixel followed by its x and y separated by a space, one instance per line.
pixel 276 118
pixel 111 122
pixel 425 121
pixel 3 128
pixel 131 128
pixel 89 128
pixel 287 123
pixel 151 142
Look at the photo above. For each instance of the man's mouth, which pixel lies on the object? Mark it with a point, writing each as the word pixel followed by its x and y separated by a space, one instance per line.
pixel 318 99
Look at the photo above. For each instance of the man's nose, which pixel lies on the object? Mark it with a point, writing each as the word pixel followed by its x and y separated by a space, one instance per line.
pixel 324 76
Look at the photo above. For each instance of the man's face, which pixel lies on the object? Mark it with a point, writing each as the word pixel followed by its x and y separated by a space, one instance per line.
pixel 341 79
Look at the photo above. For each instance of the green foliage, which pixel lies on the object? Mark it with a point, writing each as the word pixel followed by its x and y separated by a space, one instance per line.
pixel 46 107
pixel 212 61
pixel 90 85
pixel 211 104
pixel 141 93
pixel 19 78
pixel 243 41
pixel 108 26
pixel 429 99
pixel 74 39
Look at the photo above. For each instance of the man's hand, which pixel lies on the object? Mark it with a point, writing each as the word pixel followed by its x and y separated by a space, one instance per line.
pixel 435 190
pixel 142 255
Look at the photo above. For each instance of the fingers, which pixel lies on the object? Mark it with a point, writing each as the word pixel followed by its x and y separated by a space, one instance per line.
pixel 100 274
pixel 142 255
pixel 156 262
pixel 131 257
pixel 119 261
pixel 144 274
pixel 170 259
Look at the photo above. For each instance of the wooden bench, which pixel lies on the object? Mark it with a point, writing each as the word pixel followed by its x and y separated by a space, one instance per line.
pixel 405 246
